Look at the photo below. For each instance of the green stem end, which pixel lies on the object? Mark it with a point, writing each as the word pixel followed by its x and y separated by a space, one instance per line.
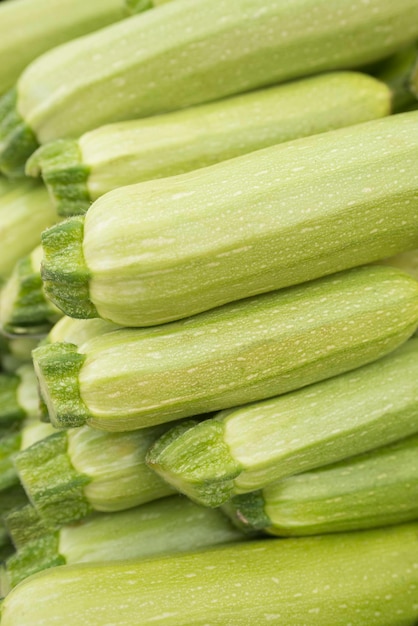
pixel 64 271
pixel 61 167
pixel 57 366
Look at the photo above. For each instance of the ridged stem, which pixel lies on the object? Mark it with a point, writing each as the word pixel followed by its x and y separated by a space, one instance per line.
pixel 57 366
pixel 60 163
pixel 49 479
pixel 64 270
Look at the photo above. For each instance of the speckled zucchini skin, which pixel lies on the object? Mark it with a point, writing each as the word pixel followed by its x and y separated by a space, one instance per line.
pixel 353 578
pixel 244 351
pixel 193 52
pixel 162 250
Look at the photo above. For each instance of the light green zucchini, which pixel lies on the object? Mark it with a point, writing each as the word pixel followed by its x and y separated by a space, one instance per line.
pixel 359 578
pixel 187 53
pixel 30 27
pixel 369 490
pixel 24 307
pixel 246 448
pixel 167 526
pixel 161 250
pixel 80 171
pixel 72 473
pixel 25 211
pixel 78 332
pixel 241 352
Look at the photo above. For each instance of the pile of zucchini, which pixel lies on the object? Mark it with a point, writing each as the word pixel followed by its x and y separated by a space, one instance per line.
pixel 208 312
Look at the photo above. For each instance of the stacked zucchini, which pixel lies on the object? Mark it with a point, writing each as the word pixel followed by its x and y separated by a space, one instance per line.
pixel 208 386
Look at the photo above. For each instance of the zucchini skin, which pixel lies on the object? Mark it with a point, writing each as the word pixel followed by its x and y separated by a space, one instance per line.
pixel 249 447
pixel 357 578
pixel 30 27
pixel 273 218
pixel 78 172
pixel 195 52
pixel 241 352
pixel 375 489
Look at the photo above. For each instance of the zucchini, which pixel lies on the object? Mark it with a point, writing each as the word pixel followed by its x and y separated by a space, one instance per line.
pixel 25 211
pixel 80 171
pixel 276 217
pixel 369 490
pixel 212 50
pixel 355 578
pixel 70 474
pixel 246 448
pixel 30 27
pixel 24 307
pixel 18 395
pixel 397 72
pixel 241 352
pixel 167 526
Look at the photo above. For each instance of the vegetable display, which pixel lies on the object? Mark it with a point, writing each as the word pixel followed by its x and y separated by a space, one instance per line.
pixel 189 53
pixel 276 217
pixel 209 312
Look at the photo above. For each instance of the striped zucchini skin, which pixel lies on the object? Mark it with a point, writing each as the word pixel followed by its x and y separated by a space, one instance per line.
pixel 263 221
pixel 354 578
pixel 370 490
pixel 30 27
pixel 245 351
pixel 246 448
pixel 193 52
pixel 78 172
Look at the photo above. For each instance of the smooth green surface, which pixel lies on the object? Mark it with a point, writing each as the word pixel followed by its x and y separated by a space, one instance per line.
pixel 356 578
pixel 373 489
pixel 30 27
pixel 78 172
pixel 168 526
pixel 190 53
pixel 78 332
pixel 247 448
pixel 279 216
pixel 397 71
pixel 241 352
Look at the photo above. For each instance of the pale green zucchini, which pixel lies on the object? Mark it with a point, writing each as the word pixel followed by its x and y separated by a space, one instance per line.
pixel 30 27
pixel 70 474
pixel 24 307
pixel 246 448
pixel 167 526
pixel 161 250
pixel 25 211
pixel 80 171
pixel 368 577
pixel 241 352
pixel 189 52
pixel 78 332
pixel 369 490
